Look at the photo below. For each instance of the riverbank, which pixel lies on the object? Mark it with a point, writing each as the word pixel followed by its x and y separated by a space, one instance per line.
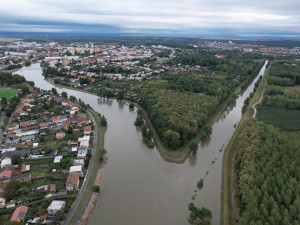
pixel 159 182
pixel 85 199
pixel 92 202
pixel 229 207
pixel 181 154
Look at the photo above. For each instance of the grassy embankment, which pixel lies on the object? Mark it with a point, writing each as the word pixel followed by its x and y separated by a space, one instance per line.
pixel 229 208
pixel 99 151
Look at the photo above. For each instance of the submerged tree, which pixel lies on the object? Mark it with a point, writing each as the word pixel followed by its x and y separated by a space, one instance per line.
pixel 194 146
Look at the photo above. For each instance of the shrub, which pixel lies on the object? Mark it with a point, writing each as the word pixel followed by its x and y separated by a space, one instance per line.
pixel 96 188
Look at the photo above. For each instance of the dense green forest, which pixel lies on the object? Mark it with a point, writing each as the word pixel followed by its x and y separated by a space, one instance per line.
pixel 281 102
pixel 6 79
pixel 268 175
pixel 179 104
pixel 178 115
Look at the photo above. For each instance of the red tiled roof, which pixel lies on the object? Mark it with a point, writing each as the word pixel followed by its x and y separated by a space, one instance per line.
pixel 52 187
pixel 43 124
pixel 56 118
pixel 6 173
pixel 19 213
pixel 87 128
pixel 73 179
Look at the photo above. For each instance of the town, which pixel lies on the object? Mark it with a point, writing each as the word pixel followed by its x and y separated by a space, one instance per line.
pixel 177 91
pixel 44 157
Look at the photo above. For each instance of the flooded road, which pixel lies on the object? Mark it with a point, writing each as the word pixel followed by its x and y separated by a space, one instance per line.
pixel 138 186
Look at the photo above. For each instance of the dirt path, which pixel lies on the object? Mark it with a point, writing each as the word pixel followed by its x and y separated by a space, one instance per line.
pixel 261 97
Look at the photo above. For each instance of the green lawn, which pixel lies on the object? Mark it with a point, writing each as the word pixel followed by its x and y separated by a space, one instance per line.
pixel 8 93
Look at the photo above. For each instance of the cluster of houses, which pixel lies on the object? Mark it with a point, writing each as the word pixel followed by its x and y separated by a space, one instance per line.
pixel 17 54
pixel 24 141
pixel 231 46
pixel 20 212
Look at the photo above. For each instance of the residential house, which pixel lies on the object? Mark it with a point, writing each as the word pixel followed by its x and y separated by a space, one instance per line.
pixel 22 178
pixel 13 127
pixel 75 108
pixel 44 125
pixel 13 142
pixel 84 143
pixel 51 189
pixel 8 149
pixel 11 204
pixel 56 119
pixel 60 136
pixel 29 123
pixel 25 168
pixel 5 161
pixel 5 176
pixel 56 206
pixel 60 119
pixel 9 154
pixel 19 214
pixel 76 170
pixel 77 162
pixel 65 123
pixel 87 130
pixel 35 145
pixel 63 118
pixel 27 139
pixel 81 154
pixel 57 159
pixel 72 142
pixel 72 182
pixel 27 132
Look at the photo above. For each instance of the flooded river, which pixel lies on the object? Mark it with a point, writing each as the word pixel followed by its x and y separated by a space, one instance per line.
pixel 138 186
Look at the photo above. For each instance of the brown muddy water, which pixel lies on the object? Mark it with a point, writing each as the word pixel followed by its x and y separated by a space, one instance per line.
pixel 138 186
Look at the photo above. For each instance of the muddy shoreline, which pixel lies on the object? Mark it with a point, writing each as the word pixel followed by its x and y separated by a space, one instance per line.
pixel 92 201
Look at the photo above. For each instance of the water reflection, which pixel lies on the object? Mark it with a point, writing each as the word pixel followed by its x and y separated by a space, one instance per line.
pixel 192 159
pixel 121 105
pixel 205 142
pixel 106 101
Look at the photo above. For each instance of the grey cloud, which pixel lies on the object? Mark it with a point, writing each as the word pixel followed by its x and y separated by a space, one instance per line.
pixel 156 15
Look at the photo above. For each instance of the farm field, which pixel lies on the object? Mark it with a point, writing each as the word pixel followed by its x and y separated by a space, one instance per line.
pixel 284 119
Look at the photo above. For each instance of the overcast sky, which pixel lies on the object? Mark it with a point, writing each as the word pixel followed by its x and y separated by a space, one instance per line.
pixel 213 17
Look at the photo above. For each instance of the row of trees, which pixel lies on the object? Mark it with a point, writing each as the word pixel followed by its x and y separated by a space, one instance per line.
pixel 283 74
pixel 10 107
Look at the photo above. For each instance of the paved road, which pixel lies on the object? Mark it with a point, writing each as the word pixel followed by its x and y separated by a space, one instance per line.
pixel 88 177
